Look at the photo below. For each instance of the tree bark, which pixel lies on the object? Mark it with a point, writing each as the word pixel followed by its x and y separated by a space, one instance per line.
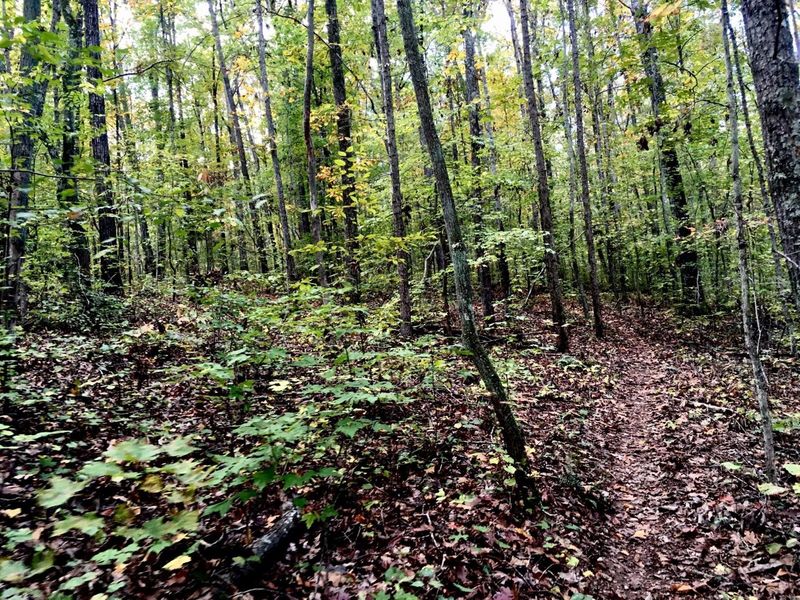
pixel 512 434
pixel 551 258
pixel 674 192
pixel 402 256
pixel 238 138
pixel 110 272
pixel 476 150
pixel 311 157
pixel 594 285
pixel 283 217
pixel 777 83
pixel 346 153
pixel 748 322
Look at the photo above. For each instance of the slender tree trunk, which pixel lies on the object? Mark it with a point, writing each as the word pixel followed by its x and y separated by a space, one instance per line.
pixel 67 187
pixel 777 82
pixel 272 141
pixel 748 322
pixel 513 438
pixel 674 192
pixel 573 180
pixel 502 260
pixel 345 137
pixel 107 218
pixel 476 150
pixel 403 257
pixel 311 157
pixel 551 257
pixel 594 286
pixel 238 138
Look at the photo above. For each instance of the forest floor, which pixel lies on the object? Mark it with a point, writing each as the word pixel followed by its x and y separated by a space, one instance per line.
pixel 646 447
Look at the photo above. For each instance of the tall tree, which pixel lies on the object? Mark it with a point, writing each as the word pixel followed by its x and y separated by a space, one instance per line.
pixel 777 82
pixel 513 437
pixel 402 256
pixel 311 157
pixel 272 141
pixel 107 219
pixel 594 285
pixel 668 160
pixel 751 337
pixel 551 257
pixel 345 137
pixel 237 137
pixel 32 94
pixel 476 162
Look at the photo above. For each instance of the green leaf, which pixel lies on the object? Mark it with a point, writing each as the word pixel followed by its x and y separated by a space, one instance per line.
pixel 350 427
pixel 770 489
pixel 793 468
pixel 179 447
pixel 90 524
pixel 732 466
pixel 132 451
pixel 60 491
pixel 12 571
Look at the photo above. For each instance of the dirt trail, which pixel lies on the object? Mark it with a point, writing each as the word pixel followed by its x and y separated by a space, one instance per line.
pixel 650 549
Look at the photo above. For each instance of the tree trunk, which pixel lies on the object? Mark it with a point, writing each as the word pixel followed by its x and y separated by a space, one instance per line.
pixel 237 136
pixel 674 191
pixel 573 180
pixel 345 137
pixel 748 322
pixel 476 149
pixel 766 198
pixel 777 83
pixel 272 135
pixel 67 186
pixel 403 257
pixel 512 434
pixel 110 272
pixel 502 260
pixel 594 286
pixel 551 258
pixel 311 157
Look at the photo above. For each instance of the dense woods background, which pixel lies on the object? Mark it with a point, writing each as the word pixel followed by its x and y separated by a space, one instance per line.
pixel 240 239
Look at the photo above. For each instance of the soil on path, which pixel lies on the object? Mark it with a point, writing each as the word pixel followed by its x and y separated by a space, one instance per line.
pixel 675 523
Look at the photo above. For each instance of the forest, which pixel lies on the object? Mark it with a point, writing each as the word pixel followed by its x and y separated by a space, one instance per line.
pixel 417 299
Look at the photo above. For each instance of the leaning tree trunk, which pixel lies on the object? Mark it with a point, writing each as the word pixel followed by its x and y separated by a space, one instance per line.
pixel 311 157
pixel 110 272
pixel 513 438
pixel 402 256
pixel 748 322
pixel 551 258
pixel 670 166
pixel 345 137
pixel 777 83
pixel 594 285
pixel 283 217
pixel 476 149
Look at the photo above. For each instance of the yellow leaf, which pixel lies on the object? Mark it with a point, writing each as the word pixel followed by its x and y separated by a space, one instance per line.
pixel 177 563
pixel 11 512
pixel 640 533
pixel 665 10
